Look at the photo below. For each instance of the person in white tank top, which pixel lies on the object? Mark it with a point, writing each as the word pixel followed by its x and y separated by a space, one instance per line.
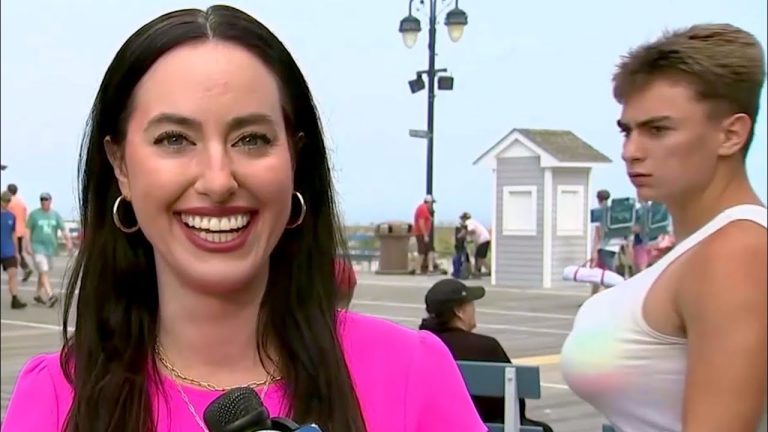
pixel 481 237
pixel 682 345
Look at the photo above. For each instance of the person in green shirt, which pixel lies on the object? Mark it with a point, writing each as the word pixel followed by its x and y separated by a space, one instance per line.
pixel 44 224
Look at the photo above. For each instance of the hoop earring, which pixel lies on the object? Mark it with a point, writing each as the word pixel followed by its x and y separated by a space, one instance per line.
pixel 116 218
pixel 303 211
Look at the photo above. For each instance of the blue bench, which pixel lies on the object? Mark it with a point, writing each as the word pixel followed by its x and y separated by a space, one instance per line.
pixel 503 380
pixel 608 428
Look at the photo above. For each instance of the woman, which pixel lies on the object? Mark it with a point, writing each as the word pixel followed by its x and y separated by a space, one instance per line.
pixel 682 345
pixel 212 230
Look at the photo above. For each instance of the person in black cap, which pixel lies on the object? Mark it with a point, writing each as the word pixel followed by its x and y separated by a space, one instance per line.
pixel 451 309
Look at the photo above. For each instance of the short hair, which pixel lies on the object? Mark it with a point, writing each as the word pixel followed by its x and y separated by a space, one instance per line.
pixel 603 195
pixel 12 188
pixel 723 64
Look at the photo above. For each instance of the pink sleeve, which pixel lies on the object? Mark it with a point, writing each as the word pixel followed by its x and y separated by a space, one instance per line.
pixel 33 405
pixel 438 399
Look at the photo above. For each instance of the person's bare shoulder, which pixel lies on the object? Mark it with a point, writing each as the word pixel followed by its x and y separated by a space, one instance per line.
pixel 722 302
pixel 729 263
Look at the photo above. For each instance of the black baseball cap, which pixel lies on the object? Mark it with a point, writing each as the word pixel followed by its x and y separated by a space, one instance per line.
pixel 449 293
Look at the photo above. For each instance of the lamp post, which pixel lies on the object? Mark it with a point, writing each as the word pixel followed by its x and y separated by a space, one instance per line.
pixel 410 26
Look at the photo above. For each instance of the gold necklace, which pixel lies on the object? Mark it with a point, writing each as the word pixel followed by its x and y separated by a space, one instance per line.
pixel 179 376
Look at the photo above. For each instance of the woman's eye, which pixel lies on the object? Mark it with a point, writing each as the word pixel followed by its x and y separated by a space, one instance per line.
pixel 253 140
pixel 171 139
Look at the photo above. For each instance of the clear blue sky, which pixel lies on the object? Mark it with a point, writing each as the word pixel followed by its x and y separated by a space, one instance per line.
pixel 544 64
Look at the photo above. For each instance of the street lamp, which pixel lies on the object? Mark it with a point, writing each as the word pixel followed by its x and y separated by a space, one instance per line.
pixel 456 20
pixel 410 26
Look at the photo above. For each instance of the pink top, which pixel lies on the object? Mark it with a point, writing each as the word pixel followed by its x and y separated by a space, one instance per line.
pixel 406 380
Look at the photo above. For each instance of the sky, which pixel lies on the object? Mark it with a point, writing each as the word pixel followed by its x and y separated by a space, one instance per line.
pixel 520 64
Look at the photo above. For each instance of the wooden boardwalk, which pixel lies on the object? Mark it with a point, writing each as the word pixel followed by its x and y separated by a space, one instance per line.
pixel 530 324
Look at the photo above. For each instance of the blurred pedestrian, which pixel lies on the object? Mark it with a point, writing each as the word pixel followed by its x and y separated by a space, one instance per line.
pixel 19 210
pixel 9 252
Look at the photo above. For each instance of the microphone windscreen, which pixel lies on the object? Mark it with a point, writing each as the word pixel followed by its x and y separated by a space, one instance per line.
pixel 237 410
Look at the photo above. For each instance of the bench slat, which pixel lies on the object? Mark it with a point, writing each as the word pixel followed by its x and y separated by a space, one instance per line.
pixel 487 379
pixel 496 427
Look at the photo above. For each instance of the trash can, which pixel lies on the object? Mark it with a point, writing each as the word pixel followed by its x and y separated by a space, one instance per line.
pixel 393 247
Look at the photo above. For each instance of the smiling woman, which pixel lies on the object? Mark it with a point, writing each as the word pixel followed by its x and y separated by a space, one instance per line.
pixel 209 261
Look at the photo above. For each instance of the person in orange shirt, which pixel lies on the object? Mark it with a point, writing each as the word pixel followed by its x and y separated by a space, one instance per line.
pixel 19 210
pixel 422 230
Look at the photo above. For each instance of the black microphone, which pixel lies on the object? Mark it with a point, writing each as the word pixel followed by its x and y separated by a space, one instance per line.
pixel 237 410
pixel 241 410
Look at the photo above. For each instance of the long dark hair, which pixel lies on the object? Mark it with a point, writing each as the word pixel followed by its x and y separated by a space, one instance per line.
pixel 113 279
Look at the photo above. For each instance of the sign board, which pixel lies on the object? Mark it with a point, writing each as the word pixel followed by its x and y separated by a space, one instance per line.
pixel 619 218
pixel 418 133
pixel 657 220
pixel 621 213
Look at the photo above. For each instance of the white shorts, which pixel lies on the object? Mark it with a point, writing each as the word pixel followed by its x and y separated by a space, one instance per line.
pixel 43 263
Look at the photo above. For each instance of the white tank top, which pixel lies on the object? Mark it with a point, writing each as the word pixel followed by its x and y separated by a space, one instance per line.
pixel 633 375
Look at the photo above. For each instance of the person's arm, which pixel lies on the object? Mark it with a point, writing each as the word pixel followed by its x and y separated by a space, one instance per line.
pixel 424 228
pixel 422 217
pixel 27 241
pixel 723 306
pixel 471 228
pixel 471 232
pixel 64 233
pixel 629 250
pixel 597 237
pixel 16 251
pixel 27 244
pixel 23 219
